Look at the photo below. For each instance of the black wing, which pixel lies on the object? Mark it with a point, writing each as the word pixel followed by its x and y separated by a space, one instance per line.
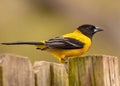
pixel 63 43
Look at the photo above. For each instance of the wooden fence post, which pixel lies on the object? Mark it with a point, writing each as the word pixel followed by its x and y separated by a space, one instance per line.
pixel 94 71
pixel 15 71
pixel 50 74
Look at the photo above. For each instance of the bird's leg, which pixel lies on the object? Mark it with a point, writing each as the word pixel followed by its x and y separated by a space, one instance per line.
pixel 64 60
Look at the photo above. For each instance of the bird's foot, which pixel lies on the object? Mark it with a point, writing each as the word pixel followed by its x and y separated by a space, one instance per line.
pixel 65 60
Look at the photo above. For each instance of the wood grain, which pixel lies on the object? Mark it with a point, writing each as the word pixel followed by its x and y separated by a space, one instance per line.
pixel 15 71
pixel 50 74
pixel 94 71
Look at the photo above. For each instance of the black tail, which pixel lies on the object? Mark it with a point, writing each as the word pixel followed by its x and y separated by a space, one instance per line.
pixel 22 43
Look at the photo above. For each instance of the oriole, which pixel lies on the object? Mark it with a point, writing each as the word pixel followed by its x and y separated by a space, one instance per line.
pixel 68 45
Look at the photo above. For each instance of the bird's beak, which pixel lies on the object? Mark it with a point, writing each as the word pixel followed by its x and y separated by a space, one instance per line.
pixel 97 29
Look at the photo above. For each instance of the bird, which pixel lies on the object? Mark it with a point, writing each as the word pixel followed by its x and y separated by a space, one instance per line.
pixel 68 45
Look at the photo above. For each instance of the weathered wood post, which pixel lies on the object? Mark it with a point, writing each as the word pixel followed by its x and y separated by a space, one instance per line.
pixel 94 71
pixel 15 71
pixel 50 74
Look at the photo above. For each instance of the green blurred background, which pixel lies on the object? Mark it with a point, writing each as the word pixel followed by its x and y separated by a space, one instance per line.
pixel 34 20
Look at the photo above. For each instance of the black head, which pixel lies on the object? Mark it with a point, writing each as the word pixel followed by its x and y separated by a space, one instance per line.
pixel 89 30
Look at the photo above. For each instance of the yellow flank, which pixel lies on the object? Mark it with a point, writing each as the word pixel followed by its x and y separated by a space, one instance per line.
pixel 40 46
pixel 62 53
